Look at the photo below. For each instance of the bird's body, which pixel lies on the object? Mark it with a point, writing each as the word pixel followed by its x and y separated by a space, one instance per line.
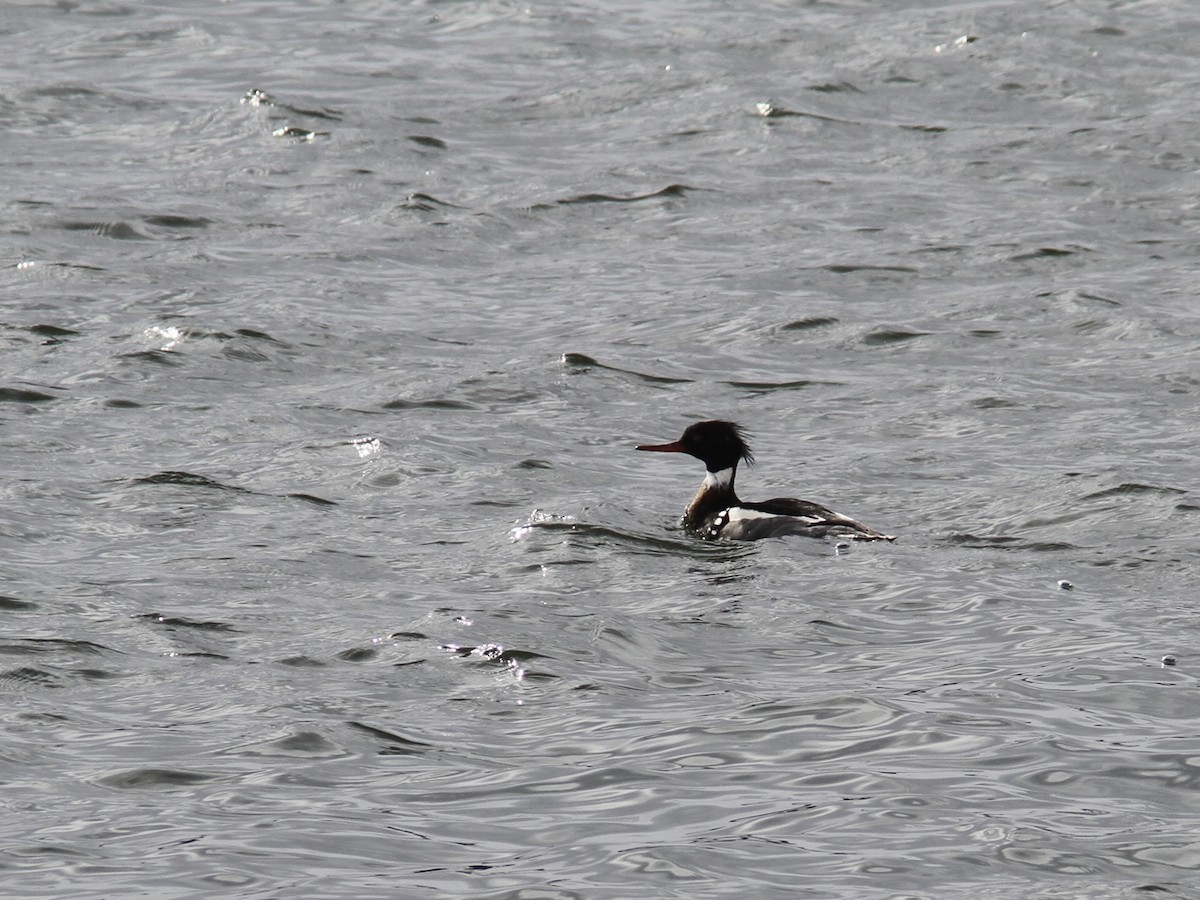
pixel 716 511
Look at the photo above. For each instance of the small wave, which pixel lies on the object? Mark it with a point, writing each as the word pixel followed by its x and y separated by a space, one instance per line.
pixel 187 479
pixel 1133 489
pixel 1008 542
pixel 671 190
pixel 154 779
pixel 53 334
pixel 809 323
pixel 885 336
pixel 181 622
pixel 24 395
pixel 393 744
pixel 583 363
pixel 433 403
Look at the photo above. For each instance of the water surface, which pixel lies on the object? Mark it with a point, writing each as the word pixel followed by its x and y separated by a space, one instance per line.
pixel 328 331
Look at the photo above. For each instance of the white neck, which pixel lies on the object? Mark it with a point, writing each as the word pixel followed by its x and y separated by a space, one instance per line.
pixel 720 479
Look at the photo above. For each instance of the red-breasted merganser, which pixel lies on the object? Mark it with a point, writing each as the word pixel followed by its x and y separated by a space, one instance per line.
pixel 716 510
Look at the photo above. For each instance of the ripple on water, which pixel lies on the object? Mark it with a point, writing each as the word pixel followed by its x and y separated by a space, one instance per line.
pixel 154 779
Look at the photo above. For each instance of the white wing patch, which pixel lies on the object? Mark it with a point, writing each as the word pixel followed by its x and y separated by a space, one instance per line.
pixel 741 514
pixel 741 524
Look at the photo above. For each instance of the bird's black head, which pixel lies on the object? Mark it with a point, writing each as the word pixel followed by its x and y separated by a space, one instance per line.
pixel 718 444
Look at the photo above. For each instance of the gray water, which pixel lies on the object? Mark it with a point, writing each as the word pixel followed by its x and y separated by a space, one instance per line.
pixel 328 331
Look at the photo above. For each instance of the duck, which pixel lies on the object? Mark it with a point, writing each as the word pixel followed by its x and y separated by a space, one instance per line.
pixel 717 512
